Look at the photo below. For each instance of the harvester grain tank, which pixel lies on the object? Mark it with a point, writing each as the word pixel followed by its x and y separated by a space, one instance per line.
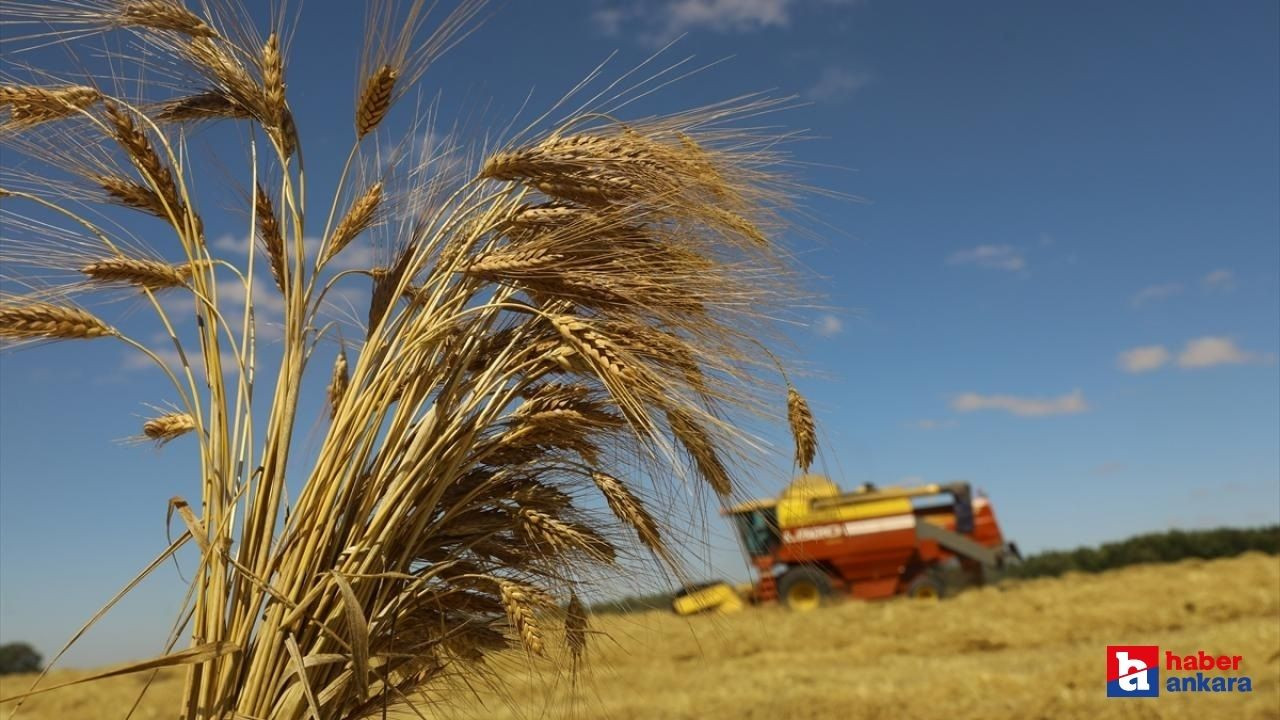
pixel 815 542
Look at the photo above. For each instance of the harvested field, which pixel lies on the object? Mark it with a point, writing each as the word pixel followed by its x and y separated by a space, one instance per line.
pixel 1033 649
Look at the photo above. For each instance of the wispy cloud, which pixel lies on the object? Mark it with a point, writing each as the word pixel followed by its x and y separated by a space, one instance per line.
pixel 664 20
pixel 1211 351
pixel 837 83
pixel 1144 359
pixel 1220 280
pixel 996 257
pixel 1069 404
pixel 609 20
pixel 727 15
pixel 1155 293
pixel 828 325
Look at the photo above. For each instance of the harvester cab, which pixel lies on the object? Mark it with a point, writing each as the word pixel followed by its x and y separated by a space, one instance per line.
pixel 815 541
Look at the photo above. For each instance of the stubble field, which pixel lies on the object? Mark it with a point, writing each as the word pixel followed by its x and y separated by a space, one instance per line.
pixel 1033 649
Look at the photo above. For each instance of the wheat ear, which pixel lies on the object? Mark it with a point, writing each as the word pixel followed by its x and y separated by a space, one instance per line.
pixel 375 100
pixel 54 322
pixel 164 15
pixel 270 235
pixel 701 449
pixel 167 427
pixel 628 508
pixel 359 217
pixel 338 382
pixel 147 274
pixel 518 601
pixel 30 105
pixel 575 628
pixel 802 428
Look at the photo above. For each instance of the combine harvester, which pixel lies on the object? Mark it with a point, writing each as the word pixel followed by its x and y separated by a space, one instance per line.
pixel 815 542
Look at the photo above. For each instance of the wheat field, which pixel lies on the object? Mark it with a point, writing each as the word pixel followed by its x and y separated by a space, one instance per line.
pixel 1032 649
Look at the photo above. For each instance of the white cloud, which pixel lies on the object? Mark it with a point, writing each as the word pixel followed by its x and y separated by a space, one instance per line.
pixel 1144 359
pixel 931 424
pixel 828 325
pixel 1153 293
pixel 668 19
pixel 1210 351
pixel 1220 280
pixel 836 83
pixel 997 257
pixel 726 15
pixel 1069 404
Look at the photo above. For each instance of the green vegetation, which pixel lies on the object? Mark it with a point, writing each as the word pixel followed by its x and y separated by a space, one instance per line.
pixel 634 603
pixel 18 657
pixel 1163 547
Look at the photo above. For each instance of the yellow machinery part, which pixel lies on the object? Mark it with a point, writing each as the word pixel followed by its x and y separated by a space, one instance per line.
pixel 796 506
pixel 720 597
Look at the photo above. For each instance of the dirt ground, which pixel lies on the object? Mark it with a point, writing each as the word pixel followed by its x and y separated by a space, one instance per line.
pixel 1025 650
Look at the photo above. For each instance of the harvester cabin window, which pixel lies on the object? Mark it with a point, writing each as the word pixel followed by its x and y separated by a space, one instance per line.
pixel 759 531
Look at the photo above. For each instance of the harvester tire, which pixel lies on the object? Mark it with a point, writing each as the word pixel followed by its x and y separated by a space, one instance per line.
pixel 927 587
pixel 804 588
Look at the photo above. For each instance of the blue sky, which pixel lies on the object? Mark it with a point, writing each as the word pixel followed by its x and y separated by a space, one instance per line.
pixel 1063 283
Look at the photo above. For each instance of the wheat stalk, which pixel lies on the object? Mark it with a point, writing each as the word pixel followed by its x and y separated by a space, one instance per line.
pixel 583 302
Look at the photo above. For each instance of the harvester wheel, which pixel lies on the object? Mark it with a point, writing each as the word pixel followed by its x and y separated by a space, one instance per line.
pixel 926 587
pixel 804 588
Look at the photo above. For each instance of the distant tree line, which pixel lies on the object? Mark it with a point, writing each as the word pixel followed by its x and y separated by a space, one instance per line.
pixel 1162 547
pixel 634 603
